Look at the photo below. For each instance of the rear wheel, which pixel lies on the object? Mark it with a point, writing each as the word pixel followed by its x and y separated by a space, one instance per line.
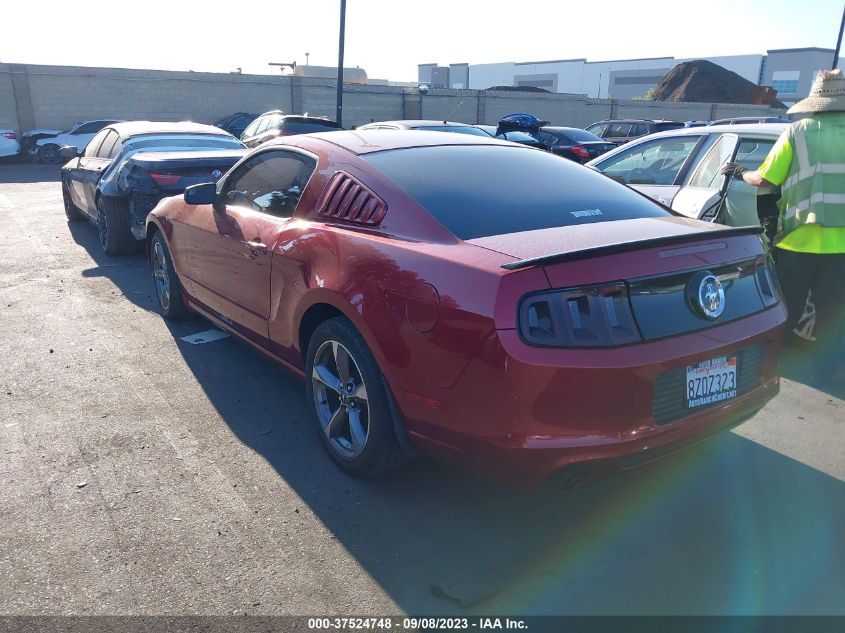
pixel 114 227
pixel 167 286
pixel 49 154
pixel 350 401
pixel 71 210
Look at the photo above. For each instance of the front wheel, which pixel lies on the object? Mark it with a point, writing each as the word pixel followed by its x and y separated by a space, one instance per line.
pixel 350 401
pixel 167 286
pixel 49 154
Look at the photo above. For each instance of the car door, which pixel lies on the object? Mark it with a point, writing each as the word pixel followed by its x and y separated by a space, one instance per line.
pixel 701 196
pixel 655 167
pixel 703 191
pixel 230 243
pixel 78 172
pixel 93 167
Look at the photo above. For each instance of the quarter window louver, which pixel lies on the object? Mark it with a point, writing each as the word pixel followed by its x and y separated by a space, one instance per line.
pixel 346 199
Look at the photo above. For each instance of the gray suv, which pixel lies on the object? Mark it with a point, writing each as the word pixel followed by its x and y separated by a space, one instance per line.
pixel 619 131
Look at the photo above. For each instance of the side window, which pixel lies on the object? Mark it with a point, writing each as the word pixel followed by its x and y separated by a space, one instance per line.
pixel 707 175
pixel 94 144
pixel 548 139
pixel 618 129
pixel 263 122
pixel 597 129
pixel 90 128
pixel 251 128
pixel 651 163
pixel 640 129
pixel 752 152
pixel 104 151
pixel 271 182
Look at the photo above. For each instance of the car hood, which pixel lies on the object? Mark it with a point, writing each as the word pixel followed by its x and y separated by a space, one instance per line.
pixel 34 132
pixel 568 241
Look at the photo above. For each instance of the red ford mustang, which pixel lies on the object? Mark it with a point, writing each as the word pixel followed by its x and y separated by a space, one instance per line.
pixel 475 300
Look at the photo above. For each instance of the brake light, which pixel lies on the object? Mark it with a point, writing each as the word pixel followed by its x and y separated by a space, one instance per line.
pixel 581 151
pixel 166 180
pixel 9 135
pixel 588 316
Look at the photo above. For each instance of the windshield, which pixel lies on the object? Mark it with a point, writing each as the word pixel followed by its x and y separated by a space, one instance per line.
pixel 482 190
pixel 183 141
pixel 583 136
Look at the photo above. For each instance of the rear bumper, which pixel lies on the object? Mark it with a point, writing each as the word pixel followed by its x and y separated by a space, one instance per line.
pixel 520 413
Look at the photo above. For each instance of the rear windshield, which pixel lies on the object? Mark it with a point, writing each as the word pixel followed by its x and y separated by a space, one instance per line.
pixel 668 125
pixel 306 127
pixel 583 136
pixel 482 190
pixel 460 129
pixel 184 141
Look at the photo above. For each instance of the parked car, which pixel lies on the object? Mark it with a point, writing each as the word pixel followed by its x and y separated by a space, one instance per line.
pixel 427 126
pixel 701 123
pixel 46 149
pixel 516 136
pixel 680 169
pixel 574 143
pixel 751 119
pixel 127 168
pixel 620 131
pixel 276 123
pixel 475 300
pixel 235 124
pixel 9 144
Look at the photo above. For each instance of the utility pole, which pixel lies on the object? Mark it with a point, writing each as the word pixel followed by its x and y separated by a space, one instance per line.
pixel 838 42
pixel 339 116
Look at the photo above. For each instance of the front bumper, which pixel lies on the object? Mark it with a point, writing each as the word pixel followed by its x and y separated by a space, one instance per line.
pixel 521 413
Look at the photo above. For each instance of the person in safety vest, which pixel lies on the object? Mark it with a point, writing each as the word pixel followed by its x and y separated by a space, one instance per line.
pixel 808 163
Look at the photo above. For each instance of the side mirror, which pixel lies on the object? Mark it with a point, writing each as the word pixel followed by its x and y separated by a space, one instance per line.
pixel 205 193
pixel 69 151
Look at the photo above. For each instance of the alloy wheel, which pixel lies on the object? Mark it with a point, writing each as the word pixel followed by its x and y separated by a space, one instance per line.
pixel 160 275
pixel 340 397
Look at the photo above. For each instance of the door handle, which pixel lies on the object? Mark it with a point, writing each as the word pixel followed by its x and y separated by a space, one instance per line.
pixel 255 248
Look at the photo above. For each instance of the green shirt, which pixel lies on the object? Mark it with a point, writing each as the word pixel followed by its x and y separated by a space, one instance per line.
pixel 808 238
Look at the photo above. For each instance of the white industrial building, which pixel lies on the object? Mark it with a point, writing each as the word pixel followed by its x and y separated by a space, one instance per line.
pixel 790 71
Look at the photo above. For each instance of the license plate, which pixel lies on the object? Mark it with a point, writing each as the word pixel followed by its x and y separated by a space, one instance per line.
pixel 711 381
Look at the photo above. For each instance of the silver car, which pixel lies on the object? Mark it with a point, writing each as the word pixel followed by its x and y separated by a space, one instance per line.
pixel 680 168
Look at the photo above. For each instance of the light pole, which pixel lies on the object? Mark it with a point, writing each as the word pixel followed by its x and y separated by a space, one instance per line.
pixel 838 42
pixel 339 117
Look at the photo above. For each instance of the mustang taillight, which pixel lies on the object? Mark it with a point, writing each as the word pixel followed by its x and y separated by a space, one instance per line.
pixel 166 180
pixel 767 282
pixel 581 151
pixel 586 316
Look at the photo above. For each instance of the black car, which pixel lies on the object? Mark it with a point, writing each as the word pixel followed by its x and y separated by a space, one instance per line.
pixel 276 123
pixel 236 123
pixel 127 168
pixel 574 143
pixel 515 136
pixel 619 131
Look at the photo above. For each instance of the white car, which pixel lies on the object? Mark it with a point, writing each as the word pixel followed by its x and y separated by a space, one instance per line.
pixel 47 149
pixel 680 168
pixel 9 144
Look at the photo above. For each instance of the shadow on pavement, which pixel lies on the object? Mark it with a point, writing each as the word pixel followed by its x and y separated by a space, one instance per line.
pixel 16 173
pixel 728 527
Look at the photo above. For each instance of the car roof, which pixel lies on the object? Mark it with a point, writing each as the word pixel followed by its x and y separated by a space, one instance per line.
pixel 133 128
pixel 412 123
pixel 636 121
pixel 369 141
pixel 773 129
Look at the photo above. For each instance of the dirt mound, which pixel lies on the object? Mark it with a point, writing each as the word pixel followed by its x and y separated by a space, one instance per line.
pixel 701 81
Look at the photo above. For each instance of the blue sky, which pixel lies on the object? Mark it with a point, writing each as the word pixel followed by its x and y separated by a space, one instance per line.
pixel 388 39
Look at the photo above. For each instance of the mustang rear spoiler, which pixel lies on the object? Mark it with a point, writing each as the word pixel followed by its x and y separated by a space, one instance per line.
pixel 624 247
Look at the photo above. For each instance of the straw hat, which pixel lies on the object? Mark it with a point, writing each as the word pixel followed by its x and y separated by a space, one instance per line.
pixel 826 95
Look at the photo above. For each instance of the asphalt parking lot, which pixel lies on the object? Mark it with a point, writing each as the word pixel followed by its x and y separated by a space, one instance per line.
pixel 143 474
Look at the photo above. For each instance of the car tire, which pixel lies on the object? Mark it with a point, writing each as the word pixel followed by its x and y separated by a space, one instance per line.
pixel 358 429
pixel 71 210
pixel 113 225
pixel 49 154
pixel 166 282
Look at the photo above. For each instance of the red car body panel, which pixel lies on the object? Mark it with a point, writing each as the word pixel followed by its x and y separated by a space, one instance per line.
pixel 440 317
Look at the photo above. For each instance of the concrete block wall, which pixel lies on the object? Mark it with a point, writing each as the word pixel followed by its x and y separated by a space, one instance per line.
pixel 57 96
